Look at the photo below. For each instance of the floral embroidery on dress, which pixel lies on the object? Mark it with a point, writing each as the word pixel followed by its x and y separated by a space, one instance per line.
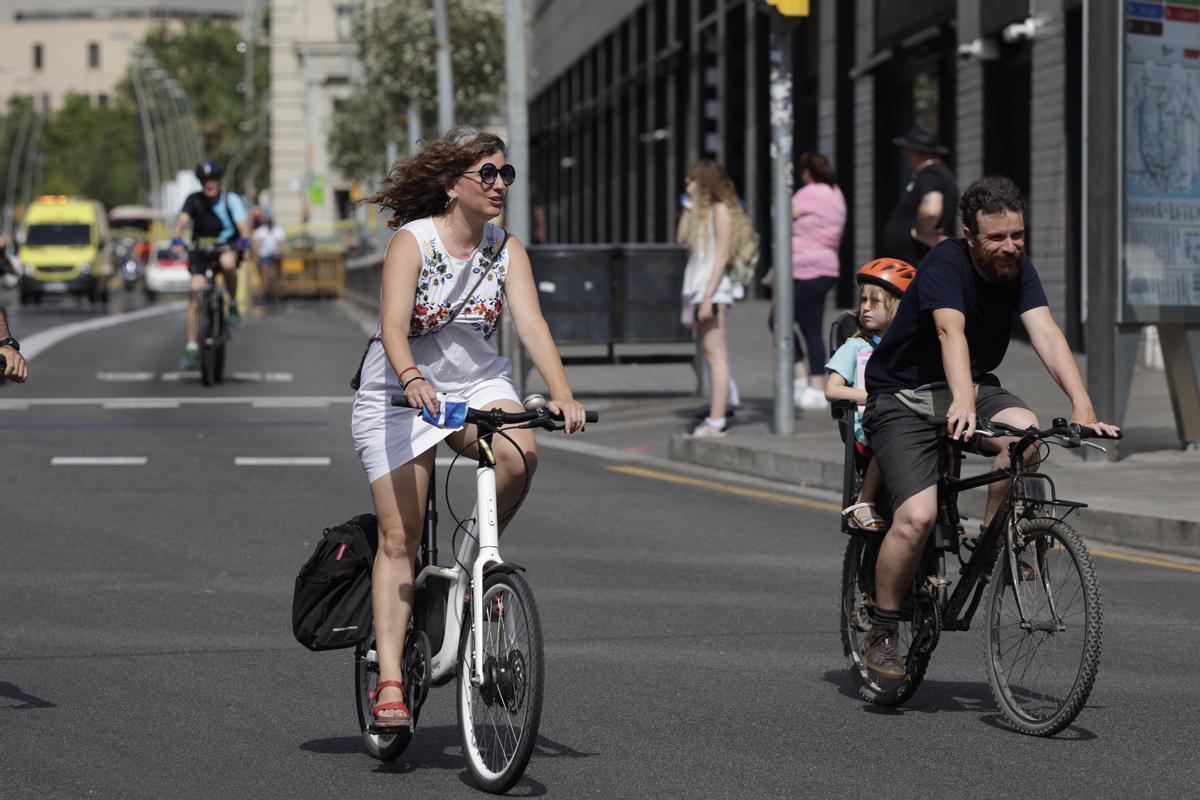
pixel 482 309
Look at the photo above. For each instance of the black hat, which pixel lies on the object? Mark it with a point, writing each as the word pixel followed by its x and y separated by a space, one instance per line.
pixel 923 139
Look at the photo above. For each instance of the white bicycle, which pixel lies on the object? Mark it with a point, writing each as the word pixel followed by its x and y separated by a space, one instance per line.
pixel 497 658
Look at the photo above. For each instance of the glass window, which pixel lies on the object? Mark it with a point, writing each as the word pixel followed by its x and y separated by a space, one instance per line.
pixel 93 55
pixel 345 20
pixel 58 234
pixel 37 56
pixel 102 100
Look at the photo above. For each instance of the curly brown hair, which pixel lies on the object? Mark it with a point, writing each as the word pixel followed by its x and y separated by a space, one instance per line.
pixel 416 187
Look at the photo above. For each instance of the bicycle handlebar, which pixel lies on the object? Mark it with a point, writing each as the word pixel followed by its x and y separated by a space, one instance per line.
pixel 497 418
pixel 990 429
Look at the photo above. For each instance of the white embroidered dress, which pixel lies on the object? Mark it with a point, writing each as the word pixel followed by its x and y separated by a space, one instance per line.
pixel 461 358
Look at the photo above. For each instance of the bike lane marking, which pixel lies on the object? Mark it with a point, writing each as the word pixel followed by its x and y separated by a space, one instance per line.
pixel 39 342
pixel 271 461
pixel 97 461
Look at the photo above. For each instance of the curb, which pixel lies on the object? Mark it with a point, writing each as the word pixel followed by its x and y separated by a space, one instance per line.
pixel 764 458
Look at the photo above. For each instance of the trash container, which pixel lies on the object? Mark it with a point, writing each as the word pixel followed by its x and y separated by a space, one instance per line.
pixel 575 289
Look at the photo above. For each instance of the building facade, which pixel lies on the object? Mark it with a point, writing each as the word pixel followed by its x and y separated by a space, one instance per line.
pixel 313 63
pixel 51 48
pixel 627 94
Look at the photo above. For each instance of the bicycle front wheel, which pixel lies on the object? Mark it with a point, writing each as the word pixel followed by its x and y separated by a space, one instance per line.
pixel 1042 654
pixel 499 718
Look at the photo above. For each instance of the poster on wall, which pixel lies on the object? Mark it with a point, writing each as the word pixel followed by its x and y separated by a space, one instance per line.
pixel 1161 245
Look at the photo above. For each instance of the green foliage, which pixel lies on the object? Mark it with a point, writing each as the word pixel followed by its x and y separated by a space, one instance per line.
pixel 398 54
pixel 94 152
pixel 202 57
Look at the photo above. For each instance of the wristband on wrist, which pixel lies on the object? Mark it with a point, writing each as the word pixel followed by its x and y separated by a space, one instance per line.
pixel 403 372
pixel 412 380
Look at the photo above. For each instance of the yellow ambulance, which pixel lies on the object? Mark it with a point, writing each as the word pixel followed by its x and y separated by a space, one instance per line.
pixel 66 249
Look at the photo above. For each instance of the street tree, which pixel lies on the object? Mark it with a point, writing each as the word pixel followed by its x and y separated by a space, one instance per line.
pixel 397 53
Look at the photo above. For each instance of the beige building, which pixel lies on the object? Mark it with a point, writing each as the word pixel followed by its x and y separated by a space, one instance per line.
pixel 49 48
pixel 312 65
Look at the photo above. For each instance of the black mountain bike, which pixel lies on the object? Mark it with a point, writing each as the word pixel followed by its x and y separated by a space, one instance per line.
pixel 1043 611
pixel 213 307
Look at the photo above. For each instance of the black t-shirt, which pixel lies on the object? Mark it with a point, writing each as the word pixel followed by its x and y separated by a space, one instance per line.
pixel 910 354
pixel 206 220
pixel 896 238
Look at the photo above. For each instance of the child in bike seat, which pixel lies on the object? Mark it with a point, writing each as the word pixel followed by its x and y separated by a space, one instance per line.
pixel 881 283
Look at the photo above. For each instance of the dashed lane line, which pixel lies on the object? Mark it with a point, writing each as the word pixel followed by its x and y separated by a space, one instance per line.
pixel 142 403
pixel 271 461
pixel 124 377
pixel 98 461
pixel 291 402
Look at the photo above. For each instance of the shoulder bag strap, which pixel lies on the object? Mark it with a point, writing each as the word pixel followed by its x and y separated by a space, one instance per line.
pixel 357 379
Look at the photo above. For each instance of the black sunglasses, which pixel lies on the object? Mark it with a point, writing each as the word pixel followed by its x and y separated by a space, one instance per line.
pixel 489 172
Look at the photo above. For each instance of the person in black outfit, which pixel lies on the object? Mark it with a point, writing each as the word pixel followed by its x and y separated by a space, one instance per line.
pixel 949 335
pixel 217 217
pixel 924 214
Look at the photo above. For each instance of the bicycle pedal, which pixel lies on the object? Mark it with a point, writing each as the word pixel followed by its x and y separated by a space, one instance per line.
pixel 390 730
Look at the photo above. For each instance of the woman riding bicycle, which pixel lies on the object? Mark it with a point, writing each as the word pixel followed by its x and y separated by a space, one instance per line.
pixel 447 274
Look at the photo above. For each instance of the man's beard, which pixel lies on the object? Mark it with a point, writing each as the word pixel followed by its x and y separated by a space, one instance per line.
pixel 998 268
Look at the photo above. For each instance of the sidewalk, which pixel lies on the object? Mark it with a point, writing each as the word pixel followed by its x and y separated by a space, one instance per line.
pixel 1148 499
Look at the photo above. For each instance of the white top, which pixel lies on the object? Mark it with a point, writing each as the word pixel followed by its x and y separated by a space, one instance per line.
pixel 269 240
pixel 460 358
pixel 702 258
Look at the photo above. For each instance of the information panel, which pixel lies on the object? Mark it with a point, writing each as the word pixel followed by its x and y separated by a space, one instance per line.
pixel 1161 246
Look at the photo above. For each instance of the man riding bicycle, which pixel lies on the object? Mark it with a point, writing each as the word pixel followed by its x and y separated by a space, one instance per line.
pixel 950 332
pixel 218 218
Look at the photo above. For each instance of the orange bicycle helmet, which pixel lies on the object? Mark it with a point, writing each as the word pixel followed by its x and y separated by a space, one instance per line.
pixel 890 273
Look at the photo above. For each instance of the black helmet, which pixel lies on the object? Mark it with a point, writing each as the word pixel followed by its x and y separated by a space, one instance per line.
pixel 208 170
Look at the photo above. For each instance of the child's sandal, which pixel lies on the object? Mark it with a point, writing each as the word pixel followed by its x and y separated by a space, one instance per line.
pixel 869 522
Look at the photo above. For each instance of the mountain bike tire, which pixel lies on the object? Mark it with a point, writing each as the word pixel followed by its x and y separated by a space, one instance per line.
pixel 1041 669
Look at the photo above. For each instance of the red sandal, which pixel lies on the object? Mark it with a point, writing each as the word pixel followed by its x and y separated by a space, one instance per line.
pixel 396 721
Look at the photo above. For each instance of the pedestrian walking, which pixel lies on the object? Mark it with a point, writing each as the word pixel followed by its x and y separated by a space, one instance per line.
pixel 924 214
pixel 713 226
pixel 269 241
pixel 818 219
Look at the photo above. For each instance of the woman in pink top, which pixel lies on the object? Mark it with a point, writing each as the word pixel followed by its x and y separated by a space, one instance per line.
pixel 818 217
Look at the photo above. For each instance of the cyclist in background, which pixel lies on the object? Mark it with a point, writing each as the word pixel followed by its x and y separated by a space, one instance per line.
pixel 217 217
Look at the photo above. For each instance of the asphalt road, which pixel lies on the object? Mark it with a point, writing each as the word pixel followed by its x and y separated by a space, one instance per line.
pixel 691 639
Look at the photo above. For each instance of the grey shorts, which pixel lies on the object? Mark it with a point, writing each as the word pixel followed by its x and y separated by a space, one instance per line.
pixel 905 445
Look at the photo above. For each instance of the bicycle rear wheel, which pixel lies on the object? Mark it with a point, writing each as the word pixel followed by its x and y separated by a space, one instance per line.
pixel 854 622
pixel 499 719
pixel 366 677
pixel 1041 667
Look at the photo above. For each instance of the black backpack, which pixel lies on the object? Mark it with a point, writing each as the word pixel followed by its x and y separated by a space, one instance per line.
pixel 331 606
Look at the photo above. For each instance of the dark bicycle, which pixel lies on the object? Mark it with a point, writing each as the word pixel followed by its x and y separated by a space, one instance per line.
pixel 1043 611
pixel 213 307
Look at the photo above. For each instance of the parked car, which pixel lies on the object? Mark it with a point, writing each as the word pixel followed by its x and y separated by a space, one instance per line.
pixel 167 272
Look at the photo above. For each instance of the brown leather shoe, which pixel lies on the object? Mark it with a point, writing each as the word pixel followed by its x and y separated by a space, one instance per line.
pixel 882 652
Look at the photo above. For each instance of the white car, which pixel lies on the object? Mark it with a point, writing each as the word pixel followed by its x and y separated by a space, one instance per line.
pixel 167 272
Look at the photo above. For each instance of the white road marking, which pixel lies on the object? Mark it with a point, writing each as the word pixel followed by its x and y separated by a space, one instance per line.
pixel 201 400
pixel 277 377
pixel 98 461
pixel 291 402
pixel 252 461
pixel 191 375
pixel 36 343
pixel 259 377
pixel 124 376
pixel 142 402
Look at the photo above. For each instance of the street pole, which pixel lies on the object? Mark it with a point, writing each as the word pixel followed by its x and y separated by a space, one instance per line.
pixel 445 71
pixel 781 222
pixel 413 118
pixel 516 210
pixel 14 162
